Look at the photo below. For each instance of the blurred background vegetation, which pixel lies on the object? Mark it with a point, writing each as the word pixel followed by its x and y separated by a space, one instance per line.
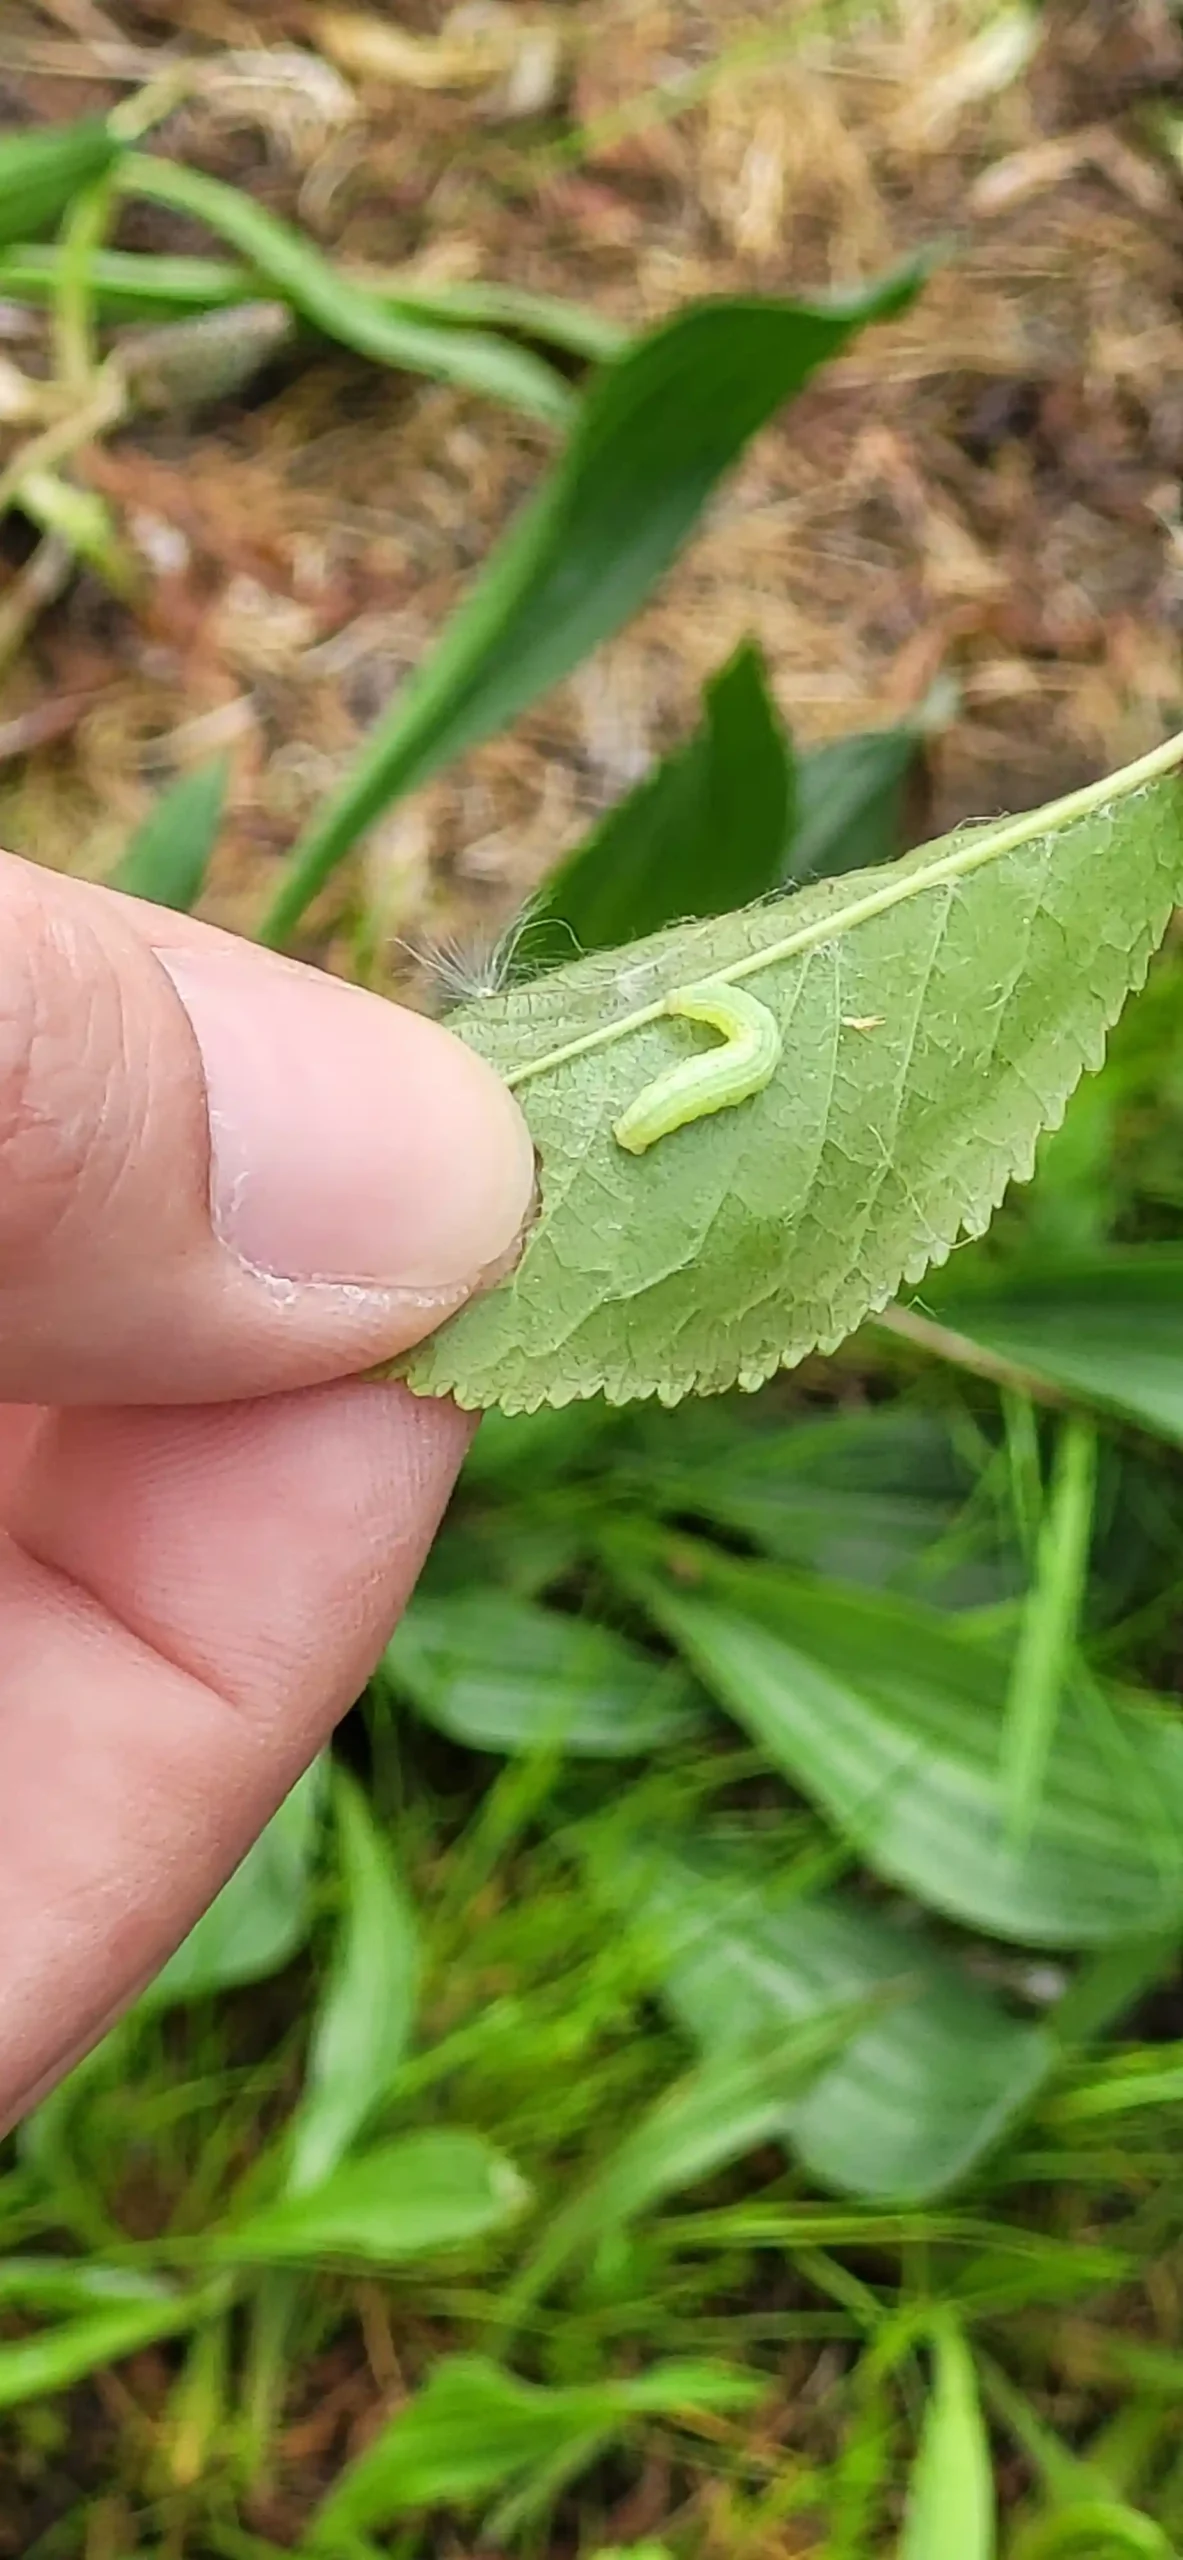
pixel 701 2073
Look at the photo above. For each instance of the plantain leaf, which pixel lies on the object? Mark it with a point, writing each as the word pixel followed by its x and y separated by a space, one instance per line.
pixel 367 2010
pixel 505 1675
pixel 473 2426
pixel 918 2094
pixel 1107 1327
pixel 935 1015
pixel 56 2357
pixel 262 1916
pixel 890 1717
pixel 652 437
pixel 704 831
pixel 407 2198
pixel 881 1497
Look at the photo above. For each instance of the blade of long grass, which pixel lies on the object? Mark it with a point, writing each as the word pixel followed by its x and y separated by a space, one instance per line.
pixel 951 2495
pixel 130 284
pixel 349 312
pixel 1048 1630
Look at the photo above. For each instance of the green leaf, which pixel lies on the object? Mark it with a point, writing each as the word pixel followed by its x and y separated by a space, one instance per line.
pixel 850 804
pixel 935 1016
pixel 1095 2529
pixel 917 2096
pixel 75 2284
pixel 132 285
pixel 735 2102
pixel 505 1675
pixel 261 1918
pixel 474 2426
pixel 705 830
pixel 653 435
pixel 169 854
pixel 405 2199
pixel 1107 1327
pixel 41 172
pixel 1049 1628
pixel 951 2492
pixel 364 2021
pixel 890 1716
pixel 56 2357
pixel 295 269
pixel 879 1497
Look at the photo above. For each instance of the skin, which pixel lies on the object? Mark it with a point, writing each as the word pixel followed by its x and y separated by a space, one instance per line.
pixel 227 1186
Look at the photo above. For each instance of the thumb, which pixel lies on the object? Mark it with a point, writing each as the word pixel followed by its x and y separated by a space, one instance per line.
pixel 221 1174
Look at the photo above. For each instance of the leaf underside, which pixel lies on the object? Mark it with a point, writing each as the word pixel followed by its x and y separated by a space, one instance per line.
pixel 926 1047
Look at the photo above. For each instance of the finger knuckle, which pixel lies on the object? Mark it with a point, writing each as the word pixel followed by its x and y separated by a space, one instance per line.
pixel 62 1144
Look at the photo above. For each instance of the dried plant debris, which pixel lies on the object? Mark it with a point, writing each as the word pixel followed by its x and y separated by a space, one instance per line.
pixel 989 488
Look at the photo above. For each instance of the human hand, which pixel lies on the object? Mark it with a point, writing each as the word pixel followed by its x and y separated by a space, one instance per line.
pixel 227 1186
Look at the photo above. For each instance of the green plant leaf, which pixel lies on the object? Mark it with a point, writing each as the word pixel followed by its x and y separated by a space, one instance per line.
pixel 936 1015
pixel 734 2102
pixel 951 2492
pixel 890 1716
pixel 77 2284
pixel 705 830
pixel 502 1674
pixel 1049 1629
pixel 474 2426
pixel 653 435
pixel 1095 2529
pixel 405 2199
pixel 293 267
pixel 261 1918
pixel 850 802
pixel 129 284
pixel 41 172
pixel 54 2358
pixel 1106 1327
pixel 361 2029
pixel 880 1497
pixel 169 854
pixel 917 2096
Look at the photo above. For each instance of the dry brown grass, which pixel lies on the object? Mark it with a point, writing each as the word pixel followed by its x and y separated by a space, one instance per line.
pixel 990 489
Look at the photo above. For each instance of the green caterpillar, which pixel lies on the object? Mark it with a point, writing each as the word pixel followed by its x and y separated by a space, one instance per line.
pixel 719 1078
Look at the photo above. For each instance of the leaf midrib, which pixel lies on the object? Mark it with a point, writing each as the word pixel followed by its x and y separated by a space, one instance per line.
pixel 983 848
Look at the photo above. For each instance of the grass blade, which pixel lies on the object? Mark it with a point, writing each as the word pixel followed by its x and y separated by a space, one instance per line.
pixel 951 2495
pixel 130 284
pixel 41 172
pixel 170 853
pixel 1048 1630
pixel 322 294
pixel 732 2104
